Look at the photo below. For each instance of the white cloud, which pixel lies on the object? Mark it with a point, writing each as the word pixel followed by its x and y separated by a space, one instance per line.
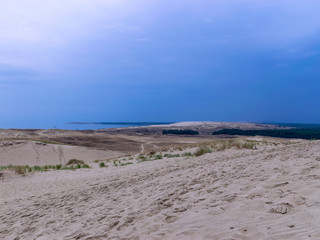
pixel 38 34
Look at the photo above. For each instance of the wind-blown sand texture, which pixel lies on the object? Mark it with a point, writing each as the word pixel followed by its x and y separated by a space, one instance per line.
pixel 268 193
pixel 37 153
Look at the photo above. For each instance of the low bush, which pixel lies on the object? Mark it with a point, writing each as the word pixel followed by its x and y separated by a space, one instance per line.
pixel 58 166
pixel 187 154
pixel 171 155
pixel 202 151
pixel 75 161
pixel 157 157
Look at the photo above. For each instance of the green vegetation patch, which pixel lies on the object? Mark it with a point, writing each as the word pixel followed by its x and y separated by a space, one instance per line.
pixel 167 155
pixel 187 154
pixel 21 169
pixel 75 161
pixel 302 133
pixel 126 163
pixel 102 164
pixel 180 132
pixel 202 151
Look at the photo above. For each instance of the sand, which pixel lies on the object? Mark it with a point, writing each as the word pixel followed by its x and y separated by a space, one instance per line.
pixel 22 152
pixel 268 193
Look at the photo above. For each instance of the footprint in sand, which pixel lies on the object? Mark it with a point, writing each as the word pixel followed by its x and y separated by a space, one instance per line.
pixel 281 208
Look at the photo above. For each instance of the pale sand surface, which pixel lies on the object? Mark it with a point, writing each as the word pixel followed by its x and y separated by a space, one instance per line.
pixel 269 193
pixel 210 124
pixel 32 153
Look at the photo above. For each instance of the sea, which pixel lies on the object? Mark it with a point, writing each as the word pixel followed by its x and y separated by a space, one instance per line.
pixel 84 125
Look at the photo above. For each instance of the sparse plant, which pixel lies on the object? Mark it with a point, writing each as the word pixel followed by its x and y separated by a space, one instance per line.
pixel 142 158
pixel 75 161
pixel 58 166
pixel 152 153
pixel 202 151
pixel 124 164
pixel 187 154
pixel 171 155
pixel 157 157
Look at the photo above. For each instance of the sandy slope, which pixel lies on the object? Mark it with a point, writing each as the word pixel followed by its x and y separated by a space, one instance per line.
pixel 32 153
pixel 268 193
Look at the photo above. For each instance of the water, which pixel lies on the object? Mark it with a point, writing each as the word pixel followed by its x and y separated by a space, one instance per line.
pixel 83 126
pixel 91 126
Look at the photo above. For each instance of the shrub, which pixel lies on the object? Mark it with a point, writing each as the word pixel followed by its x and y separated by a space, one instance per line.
pixel 58 166
pixel 101 164
pixel 75 161
pixel 202 151
pixel 157 157
pixel 152 153
pixel 187 154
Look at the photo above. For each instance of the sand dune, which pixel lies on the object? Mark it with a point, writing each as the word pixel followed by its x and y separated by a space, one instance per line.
pixel 268 193
pixel 37 153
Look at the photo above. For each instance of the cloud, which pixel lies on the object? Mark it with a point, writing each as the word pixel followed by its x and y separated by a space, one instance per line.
pixel 40 34
pixel 59 36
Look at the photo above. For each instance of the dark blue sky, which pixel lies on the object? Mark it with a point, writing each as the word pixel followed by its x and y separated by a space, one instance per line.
pixel 107 60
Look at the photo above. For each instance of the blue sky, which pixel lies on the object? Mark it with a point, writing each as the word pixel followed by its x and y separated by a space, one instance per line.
pixel 120 60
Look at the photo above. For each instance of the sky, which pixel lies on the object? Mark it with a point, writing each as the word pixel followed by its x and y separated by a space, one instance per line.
pixel 159 60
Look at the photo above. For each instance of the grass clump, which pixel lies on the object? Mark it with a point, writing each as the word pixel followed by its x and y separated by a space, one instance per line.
pixel 20 169
pixel 75 161
pixel 101 164
pixel 124 164
pixel 187 154
pixel 202 151
pixel 157 157
pixel 58 167
pixel 142 158
pixel 167 155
